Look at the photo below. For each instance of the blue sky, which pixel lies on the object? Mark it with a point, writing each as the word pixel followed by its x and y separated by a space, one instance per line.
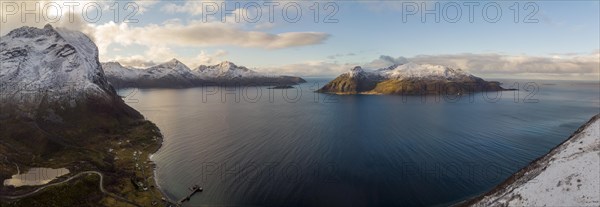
pixel 565 39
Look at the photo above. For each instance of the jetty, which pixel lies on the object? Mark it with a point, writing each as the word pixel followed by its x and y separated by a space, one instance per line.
pixel 193 190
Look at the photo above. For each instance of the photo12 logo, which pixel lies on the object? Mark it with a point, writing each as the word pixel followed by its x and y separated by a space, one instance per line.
pixel 126 11
pixel 257 11
pixel 471 11
pixel 68 11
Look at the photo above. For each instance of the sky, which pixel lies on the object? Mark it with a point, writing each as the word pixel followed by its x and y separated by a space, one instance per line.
pixel 496 39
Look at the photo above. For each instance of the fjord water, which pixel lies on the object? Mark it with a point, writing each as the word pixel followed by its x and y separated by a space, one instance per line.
pixel 322 150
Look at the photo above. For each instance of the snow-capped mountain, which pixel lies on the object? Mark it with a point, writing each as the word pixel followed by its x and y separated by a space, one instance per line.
pixel 174 74
pixel 115 69
pixel 50 65
pixel 357 72
pixel 428 71
pixel 171 74
pixel 409 78
pixel 226 70
pixel 52 75
pixel 354 81
pixel 56 107
pixel 172 68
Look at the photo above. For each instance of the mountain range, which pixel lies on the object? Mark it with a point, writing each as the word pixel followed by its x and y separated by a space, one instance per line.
pixel 175 74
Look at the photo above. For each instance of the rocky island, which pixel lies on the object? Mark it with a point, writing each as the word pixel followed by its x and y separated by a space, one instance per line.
pixel 409 79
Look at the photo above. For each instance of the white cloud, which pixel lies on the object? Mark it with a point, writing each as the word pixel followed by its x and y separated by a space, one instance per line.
pixel 69 14
pixel 309 68
pixel 136 61
pixel 206 58
pixel 572 64
pixel 199 34
pixel 565 66
pixel 157 55
pixel 189 7
pixel 145 5
pixel 385 61
pixel 507 64
pixel 172 34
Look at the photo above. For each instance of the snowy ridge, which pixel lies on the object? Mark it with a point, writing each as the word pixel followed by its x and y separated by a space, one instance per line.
pixel 175 74
pixel 413 70
pixel 171 68
pixel 356 72
pixel 50 63
pixel 226 70
pixel 566 176
pixel 116 69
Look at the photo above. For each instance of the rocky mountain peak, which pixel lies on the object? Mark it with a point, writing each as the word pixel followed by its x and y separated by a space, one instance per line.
pixel 227 64
pixel 356 71
pixel 56 69
pixel 53 61
pixel 172 64
pixel 173 61
pixel 226 67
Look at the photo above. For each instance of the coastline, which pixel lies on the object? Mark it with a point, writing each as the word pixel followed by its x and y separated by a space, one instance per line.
pixel 155 178
pixel 154 166
pixel 127 177
pixel 508 191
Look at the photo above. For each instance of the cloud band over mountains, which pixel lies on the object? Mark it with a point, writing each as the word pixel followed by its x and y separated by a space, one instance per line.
pixel 558 66
pixel 498 64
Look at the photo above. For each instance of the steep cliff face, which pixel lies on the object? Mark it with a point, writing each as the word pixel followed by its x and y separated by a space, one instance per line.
pixel 409 79
pixel 58 110
pixel 53 69
pixel 353 82
pixel 566 176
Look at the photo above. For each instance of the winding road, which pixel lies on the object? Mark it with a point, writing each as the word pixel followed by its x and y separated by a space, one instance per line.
pixel 101 184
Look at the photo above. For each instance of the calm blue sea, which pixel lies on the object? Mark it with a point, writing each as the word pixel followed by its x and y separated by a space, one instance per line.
pixel 263 147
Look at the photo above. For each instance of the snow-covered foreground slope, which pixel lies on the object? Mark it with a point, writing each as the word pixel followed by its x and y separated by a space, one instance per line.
pixel 175 74
pixel 569 175
pixel 50 64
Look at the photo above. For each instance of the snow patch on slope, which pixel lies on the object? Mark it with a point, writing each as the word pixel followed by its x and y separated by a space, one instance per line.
pixel 115 69
pixel 49 63
pixel 567 176
pixel 226 70
pixel 356 72
pixel 413 70
pixel 171 68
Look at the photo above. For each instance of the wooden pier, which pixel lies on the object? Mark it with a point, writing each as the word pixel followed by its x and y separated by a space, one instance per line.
pixel 194 190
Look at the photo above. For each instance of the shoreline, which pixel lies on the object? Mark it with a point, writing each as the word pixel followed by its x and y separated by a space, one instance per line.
pixel 168 200
pixel 156 183
pixel 527 173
